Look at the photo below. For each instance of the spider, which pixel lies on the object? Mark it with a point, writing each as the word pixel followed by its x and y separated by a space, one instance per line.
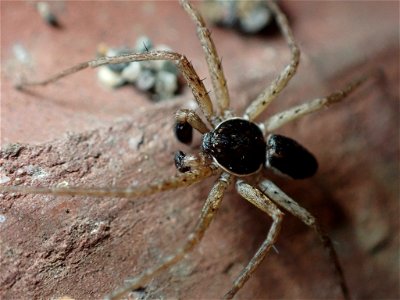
pixel 235 149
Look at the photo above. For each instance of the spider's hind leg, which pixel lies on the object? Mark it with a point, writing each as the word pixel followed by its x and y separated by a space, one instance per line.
pixel 207 214
pixel 283 200
pixel 257 198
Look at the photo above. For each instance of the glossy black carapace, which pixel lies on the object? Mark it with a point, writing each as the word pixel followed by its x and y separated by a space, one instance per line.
pixel 237 145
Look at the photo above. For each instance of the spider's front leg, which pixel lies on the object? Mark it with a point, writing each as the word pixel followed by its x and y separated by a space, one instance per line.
pixel 193 81
pixel 257 198
pixel 185 121
pixel 283 200
pixel 213 61
pixel 207 214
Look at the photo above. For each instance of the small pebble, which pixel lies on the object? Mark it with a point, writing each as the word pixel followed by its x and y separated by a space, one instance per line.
pixel 143 44
pixel 47 15
pixel 250 17
pixel 63 184
pixel 146 80
pixel 166 84
pixel 2 218
pixel 118 68
pixel 21 54
pixel 131 72
pixel 159 77
pixel 256 20
pixel 4 179
pixel 109 78
pixel 136 141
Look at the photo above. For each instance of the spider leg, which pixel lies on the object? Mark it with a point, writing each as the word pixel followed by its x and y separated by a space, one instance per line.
pixel 213 61
pixel 207 214
pixel 279 197
pixel 185 121
pixel 269 93
pixel 257 198
pixel 191 117
pixel 186 162
pixel 171 183
pixel 196 85
pixel 311 106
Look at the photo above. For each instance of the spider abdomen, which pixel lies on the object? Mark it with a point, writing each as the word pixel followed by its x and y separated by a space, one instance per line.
pixel 237 145
pixel 287 156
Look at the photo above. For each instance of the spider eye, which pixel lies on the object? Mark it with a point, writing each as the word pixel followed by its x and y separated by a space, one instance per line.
pixel 183 132
pixel 289 157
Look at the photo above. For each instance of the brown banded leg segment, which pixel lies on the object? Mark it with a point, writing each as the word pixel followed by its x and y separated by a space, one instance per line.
pixel 187 162
pixel 191 117
pixel 213 61
pixel 196 85
pixel 283 200
pixel 257 198
pixel 279 119
pixel 207 214
pixel 269 93
pixel 174 182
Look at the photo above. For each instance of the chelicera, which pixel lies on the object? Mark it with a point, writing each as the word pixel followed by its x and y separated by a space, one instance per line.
pixel 233 149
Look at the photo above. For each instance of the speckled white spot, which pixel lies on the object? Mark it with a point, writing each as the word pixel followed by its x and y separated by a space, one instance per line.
pixel 4 179
pixel 131 72
pixel 38 173
pixel 146 80
pixel 135 141
pixel 2 218
pixel 191 104
pixel 21 54
pixel 166 84
pixel 20 171
pixel 109 78
pixel 98 226
pixel 63 184
pixel 143 44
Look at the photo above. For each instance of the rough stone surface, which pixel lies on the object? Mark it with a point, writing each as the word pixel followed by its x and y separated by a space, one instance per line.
pixel 75 132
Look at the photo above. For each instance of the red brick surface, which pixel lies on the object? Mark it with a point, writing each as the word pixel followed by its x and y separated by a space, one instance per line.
pixel 78 132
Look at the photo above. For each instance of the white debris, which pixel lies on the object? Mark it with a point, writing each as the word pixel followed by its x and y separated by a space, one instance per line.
pixel 109 78
pixel 4 179
pixel 131 72
pixel 2 218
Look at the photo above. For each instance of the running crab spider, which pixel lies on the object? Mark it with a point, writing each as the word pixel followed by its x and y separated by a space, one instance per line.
pixel 244 160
